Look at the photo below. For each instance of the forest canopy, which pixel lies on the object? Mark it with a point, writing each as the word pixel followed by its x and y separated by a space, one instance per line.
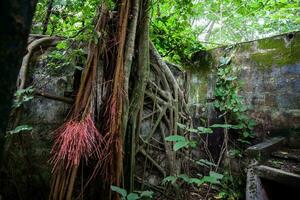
pixel 179 27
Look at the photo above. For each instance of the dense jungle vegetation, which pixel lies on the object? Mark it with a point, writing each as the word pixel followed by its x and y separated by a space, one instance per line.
pixel 129 113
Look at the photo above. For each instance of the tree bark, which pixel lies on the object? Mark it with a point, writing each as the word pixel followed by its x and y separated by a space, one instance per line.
pixel 137 97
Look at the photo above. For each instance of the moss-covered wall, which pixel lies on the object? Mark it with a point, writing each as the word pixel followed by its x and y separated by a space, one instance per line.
pixel 271 75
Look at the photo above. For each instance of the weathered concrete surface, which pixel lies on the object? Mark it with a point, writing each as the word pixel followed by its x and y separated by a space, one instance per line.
pixel 278 175
pixel 254 187
pixel 30 171
pixel 264 149
pixel 273 168
pixel 42 110
pixel 270 70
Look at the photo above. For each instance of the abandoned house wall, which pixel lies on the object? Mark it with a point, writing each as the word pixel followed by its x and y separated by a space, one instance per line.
pixel 270 72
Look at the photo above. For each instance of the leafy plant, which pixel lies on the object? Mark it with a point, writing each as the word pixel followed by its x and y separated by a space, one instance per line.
pixel 172 30
pixel 180 142
pixel 212 178
pixel 234 112
pixel 205 163
pixel 65 57
pixel 229 102
pixel 199 130
pixel 232 187
pixel 22 96
pixel 133 195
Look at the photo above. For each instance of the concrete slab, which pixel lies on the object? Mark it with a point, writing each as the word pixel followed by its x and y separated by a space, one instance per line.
pixel 277 175
pixel 264 149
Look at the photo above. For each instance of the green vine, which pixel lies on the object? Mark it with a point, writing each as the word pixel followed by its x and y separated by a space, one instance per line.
pixel 229 102
pixel 233 110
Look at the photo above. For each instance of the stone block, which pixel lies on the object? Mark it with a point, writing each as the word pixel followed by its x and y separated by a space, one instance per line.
pixel 264 149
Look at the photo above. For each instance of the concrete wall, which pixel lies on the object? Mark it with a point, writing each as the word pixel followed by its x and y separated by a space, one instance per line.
pixel 270 70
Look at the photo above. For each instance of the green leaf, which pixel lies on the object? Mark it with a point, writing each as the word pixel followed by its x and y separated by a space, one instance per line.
pixel 246 134
pixel 180 144
pixel 182 126
pixel 224 61
pixel 147 193
pixel 235 153
pixel 79 67
pixel 133 196
pixel 119 190
pixel 62 45
pixel 205 163
pixel 231 78
pixel 22 96
pixel 251 124
pixel 243 141
pixel 196 181
pixel 204 130
pixel 175 138
pixel 221 126
pixel 192 130
pixel 210 179
pixel 20 128
pixel 192 143
pixel 171 179
pixel 239 126
pixel 216 175
pixel 221 195
pixel 184 177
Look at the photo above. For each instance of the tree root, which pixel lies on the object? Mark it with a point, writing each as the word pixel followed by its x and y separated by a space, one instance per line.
pixel 53 97
pixel 160 169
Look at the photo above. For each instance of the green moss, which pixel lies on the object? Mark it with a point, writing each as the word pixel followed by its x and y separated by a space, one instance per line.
pixel 271 43
pixel 274 52
pixel 244 47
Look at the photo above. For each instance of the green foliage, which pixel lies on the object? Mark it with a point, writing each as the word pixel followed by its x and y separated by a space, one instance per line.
pixel 19 129
pixel 68 17
pixel 22 96
pixel 73 21
pixel 133 195
pixel 171 24
pixel 180 142
pixel 199 130
pixel 238 21
pixel 275 163
pixel 63 57
pixel 232 187
pixel 172 30
pixel 119 190
pixel 205 163
pixel 229 102
pixel 180 28
pixel 212 178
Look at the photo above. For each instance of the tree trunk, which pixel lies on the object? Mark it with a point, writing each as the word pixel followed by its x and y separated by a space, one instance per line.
pixel 141 70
